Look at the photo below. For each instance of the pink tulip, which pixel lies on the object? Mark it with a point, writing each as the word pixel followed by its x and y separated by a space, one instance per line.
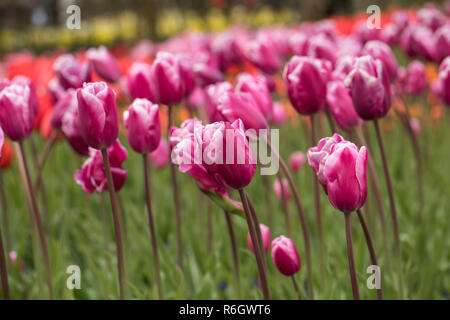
pixel 380 50
pixel 306 80
pixel 369 87
pixel 16 112
pixel 196 99
pixel 282 190
pixel 297 160
pixel 341 168
pixel 71 130
pixel 415 126
pixel 430 17
pixel 256 86
pixel 213 92
pixel 139 81
pixel 92 176
pixel 285 256
pixel 13 257
pixel 160 157
pixel 143 125
pixel 443 81
pixel 413 79
pixel 279 115
pixel 56 90
pixel 22 80
pixel 97 114
pixel 227 154
pixel 2 140
pixel 263 54
pixel 265 234
pixel 441 42
pixel 228 48
pixel 205 74
pixel 67 102
pixel 187 74
pixel 104 63
pixel 167 86
pixel 70 73
pixel 416 41
pixel 322 47
pixel 341 107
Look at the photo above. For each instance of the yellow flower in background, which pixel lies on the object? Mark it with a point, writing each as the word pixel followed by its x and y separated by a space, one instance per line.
pixel 216 20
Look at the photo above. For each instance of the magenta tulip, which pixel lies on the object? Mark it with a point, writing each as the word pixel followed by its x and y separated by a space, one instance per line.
pixel 187 74
pixel 297 160
pixel 306 80
pixel 160 157
pixel 279 115
pixel 167 86
pixel 441 42
pixel 322 47
pixel 413 80
pixel 340 104
pixel 381 51
pixel 262 52
pixel 139 82
pixel 143 125
pixel 92 176
pixel 56 90
pixel 369 87
pixel 282 190
pixel 341 168
pixel 16 112
pixel 71 130
pixel 256 86
pixel 265 234
pixel 97 114
pixel 104 63
pixel 430 17
pixel 285 256
pixel 70 73
pixel 213 92
pixel 415 126
pixel 443 81
pixel 67 102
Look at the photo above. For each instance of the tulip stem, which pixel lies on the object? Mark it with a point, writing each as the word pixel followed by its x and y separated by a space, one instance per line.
pixel 393 208
pixel 373 256
pixel 151 224
pixel 3 273
pixel 351 258
pixel 297 290
pixel 175 196
pixel 43 159
pixel 255 242
pixel 317 205
pixel 234 256
pixel 116 220
pixel 284 204
pixel 37 219
pixel 377 194
pixel 330 120
pixel 5 219
pixel 301 214
pixel 257 227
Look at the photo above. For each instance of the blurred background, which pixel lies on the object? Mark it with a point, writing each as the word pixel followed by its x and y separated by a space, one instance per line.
pixel 40 25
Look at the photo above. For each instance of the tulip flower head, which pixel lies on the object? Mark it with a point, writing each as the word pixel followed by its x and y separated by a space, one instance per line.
pixel 70 73
pixel 66 103
pixel 341 169
pixel 256 86
pixel 444 81
pixel 381 51
pixel 282 189
pixel 104 63
pixel 297 160
pixel 71 130
pixel 143 125
pixel 279 115
pixel 167 86
pixel 97 114
pixel 265 234
pixel 413 79
pixel 139 82
pixel 160 157
pixel 263 54
pixel 285 256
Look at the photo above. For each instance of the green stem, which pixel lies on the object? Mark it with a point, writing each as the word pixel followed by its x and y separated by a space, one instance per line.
pixel 234 255
pixel 351 258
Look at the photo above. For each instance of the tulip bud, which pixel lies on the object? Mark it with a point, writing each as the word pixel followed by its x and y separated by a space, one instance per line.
pixel 413 79
pixel 67 102
pixel 256 86
pixel 213 92
pixel 443 84
pixel 282 190
pixel 265 234
pixel 187 74
pixel 341 106
pixel 143 125
pixel 104 63
pixel 97 114
pixel 430 17
pixel 70 73
pixel 306 82
pixel 279 115
pixel 297 160
pixel 369 87
pixel 160 157
pixel 441 42
pixel 415 126
pixel 71 130
pixel 139 82
pixel 381 51
pixel 285 256
pixel 322 47
pixel 56 90
pixel 262 52
pixel 341 169
pixel 16 113
pixel 92 176
pixel 166 81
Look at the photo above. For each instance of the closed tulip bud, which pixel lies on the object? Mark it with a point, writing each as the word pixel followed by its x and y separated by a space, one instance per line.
pixel 416 41
pixel 143 125
pixel 297 160
pixel 282 190
pixel 16 112
pixel 443 85
pixel 97 114
pixel 92 176
pixel 187 74
pixel 241 105
pixel 56 90
pixel 369 87
pixel 166 81
pixel 213 93
pixel 279 115
pixel 256 86
pixel 415 126
pixel 341 106
pixel 322 47
pixel 139 81
pixel 430 17
pixel 381 51
pixel 262 52
pixel 70 73
pixel 442 42
pixel 227 47
pixel 413 79
pixel 22 80
pixel 265 234
pixel 306 80
pixel 227 154
pixel 206 75
pixel 71 130
pixel 67 102
pixel 104 63
pixel 160 157
pixel 285 256
pixel 341 168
